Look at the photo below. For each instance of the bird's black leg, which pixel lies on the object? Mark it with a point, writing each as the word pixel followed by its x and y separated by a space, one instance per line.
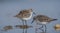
pixel 25 22
pixel 36 30
pixel 45 28
pixel 26 26
pixel 23 30
pixel 34 13
pixel 41 28
pixel 26 31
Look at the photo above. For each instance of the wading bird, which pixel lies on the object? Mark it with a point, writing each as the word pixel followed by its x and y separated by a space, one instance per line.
pixel 25 15
pixel 42 20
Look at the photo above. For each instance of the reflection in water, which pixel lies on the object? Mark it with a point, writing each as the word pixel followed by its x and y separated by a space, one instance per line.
pixel 57 27
pixel 6 28
pixel 40 29
pixel 24 27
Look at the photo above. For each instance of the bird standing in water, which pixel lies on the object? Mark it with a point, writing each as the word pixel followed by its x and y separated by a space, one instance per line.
pixel 25 15
pixel 42 20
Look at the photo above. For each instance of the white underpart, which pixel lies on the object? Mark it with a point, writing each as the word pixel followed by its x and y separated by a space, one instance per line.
pixel 44 22
pixel 28 17
pixel 41 22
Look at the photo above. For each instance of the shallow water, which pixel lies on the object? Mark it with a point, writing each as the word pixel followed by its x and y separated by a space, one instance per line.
pixel 8 9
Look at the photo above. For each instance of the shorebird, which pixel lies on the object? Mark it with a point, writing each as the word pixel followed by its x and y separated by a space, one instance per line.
pixel 25 15
pixel 42 20
pixel 6 28
pixel 23 27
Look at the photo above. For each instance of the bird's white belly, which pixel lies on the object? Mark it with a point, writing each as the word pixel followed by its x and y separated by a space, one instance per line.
pixel 27 18
pixel 42 22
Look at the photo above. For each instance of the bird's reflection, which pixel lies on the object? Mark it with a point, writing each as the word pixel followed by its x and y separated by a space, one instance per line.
pixel 6 28
pixel 24 27
pixel 57 27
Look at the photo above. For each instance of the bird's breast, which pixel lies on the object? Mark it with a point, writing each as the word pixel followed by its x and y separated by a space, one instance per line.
pixel 27 18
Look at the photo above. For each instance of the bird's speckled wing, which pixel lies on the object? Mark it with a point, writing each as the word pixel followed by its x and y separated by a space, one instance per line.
pixel 43 18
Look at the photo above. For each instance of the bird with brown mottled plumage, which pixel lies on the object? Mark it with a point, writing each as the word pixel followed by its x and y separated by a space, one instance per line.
pixel 25 15
pixel 42 20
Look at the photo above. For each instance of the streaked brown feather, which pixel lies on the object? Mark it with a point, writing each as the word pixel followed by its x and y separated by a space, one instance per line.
pixel 43 18
pixel 24 13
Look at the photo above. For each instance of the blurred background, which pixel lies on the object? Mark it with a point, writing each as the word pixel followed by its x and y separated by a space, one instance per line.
pixel 9 8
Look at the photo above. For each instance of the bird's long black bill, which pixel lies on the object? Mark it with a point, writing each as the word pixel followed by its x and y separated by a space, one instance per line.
pixel 32 21
pixel 34 13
